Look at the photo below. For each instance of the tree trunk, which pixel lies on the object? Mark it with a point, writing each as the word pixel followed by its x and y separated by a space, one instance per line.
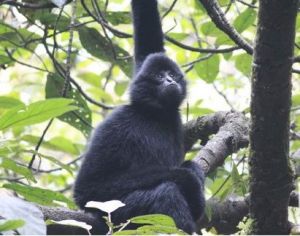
pixel 271 177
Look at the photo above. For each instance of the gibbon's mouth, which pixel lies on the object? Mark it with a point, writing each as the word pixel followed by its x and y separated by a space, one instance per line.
pixel 173 87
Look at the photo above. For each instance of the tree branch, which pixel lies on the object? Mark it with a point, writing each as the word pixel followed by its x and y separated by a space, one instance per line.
pixel 231 129
pixel 225 216
pixel 34 6
pixel 218 17
pixel 231 136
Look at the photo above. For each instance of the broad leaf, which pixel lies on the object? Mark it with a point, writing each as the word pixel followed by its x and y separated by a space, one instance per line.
pixel 208 69
pixel 118 17
pixel 245 20
pixel 243 63
pixel 8 225
pixel 39 195
pixel 11 37
pixel 81 119
pixel 9 102
pixel 100 47
pixel 35 113
pixel 58 143
pixel 9 164
pixel 55 161
pixel 153 224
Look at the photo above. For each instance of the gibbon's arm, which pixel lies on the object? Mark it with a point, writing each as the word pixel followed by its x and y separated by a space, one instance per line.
pixel 148 35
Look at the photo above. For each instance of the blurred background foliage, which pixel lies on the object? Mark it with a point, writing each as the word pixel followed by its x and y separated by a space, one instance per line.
pixel 43 135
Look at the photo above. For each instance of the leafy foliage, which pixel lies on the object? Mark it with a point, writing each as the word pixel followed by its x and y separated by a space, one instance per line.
pixel 81 118
pixel 36 57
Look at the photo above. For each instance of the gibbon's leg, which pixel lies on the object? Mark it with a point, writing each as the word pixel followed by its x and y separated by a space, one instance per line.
pixel 166 199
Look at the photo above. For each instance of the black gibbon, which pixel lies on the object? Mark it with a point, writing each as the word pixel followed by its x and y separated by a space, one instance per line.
pixel 136 154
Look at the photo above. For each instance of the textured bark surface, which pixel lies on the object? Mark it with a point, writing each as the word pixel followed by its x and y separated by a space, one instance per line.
pixel 225 217
pixel 271 177
pixel 232 134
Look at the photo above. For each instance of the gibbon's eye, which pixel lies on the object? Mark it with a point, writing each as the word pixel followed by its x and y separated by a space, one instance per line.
pixel 171 74
pixel 160 75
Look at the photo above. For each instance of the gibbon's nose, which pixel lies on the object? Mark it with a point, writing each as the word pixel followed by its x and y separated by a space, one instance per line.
pixel 170 80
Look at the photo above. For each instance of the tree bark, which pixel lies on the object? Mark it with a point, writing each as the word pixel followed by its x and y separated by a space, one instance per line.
pixel 271 179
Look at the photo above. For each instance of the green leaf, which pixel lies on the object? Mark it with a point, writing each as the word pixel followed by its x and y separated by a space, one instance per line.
pixel 16 168
pixel 100 47
pixel 208 69
pixel 39 195
pixel 11 225
pixel 178 36
pixel 153 224
pixel 35 113
pixel 210 29
pixel 9 102
pixel 91 78
pixel 5 60
pixel 51 20
pixel 235 174
pixel 54 160
pixel 296 100
pixel 118 17
pixel 243 63
pixel 80 119
pixel 154 219
pixel 198 5
pixel 57 143
pixel 11 37
pixel 120 87
pixel 245 20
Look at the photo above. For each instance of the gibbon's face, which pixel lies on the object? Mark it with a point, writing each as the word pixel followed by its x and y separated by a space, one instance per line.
pixel 159 83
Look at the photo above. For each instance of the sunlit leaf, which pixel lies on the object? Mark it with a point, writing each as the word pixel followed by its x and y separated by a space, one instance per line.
pixel 244 20
pixel 57 143
pixel 55 161
pixel 153 224
pixel 10 225
pixel 10 164
pixel 35 113
pixel 121 87
pixel 208 69
pixel 108 206
pixel 243 63
pixel 154 219
pixel 9 102
pixel 40 195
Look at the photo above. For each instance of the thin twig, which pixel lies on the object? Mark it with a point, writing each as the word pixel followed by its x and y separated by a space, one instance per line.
pixel 170 9
pixel 201 50
pixel 23 63
pixel 223 96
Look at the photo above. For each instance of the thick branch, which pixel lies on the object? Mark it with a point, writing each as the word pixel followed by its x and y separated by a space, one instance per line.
pixel 34 6
pixel 232 134
pixel 225 217
pixel 216 14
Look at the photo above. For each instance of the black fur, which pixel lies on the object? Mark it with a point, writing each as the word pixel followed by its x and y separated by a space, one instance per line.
pixel 136 154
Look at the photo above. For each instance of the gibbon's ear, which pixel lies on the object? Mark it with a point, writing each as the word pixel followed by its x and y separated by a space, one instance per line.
pixel 148 35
